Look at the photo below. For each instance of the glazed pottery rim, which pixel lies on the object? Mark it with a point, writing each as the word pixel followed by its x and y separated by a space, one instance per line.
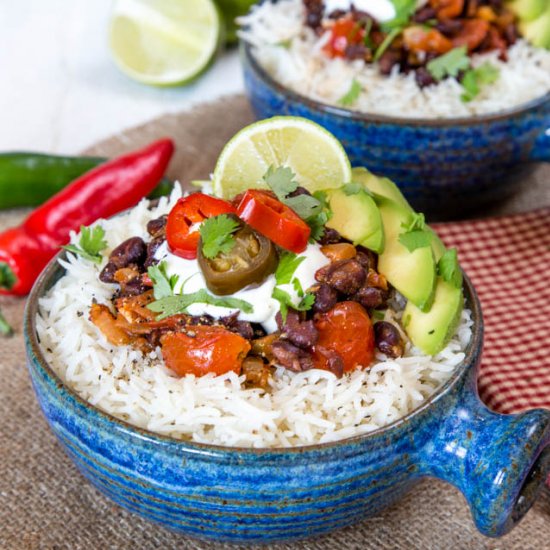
pixel 35 355
pixel 498 116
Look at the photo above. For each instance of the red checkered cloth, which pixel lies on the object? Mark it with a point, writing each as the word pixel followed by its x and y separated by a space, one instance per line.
pixel 508 261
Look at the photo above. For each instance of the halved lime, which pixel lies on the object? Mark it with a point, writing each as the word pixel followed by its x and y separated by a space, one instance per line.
pixel 164 42
pixel 314 155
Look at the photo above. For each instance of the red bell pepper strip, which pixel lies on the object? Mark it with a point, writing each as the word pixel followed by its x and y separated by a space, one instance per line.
pixel 182 232
pixel 102 192
pixel 275 220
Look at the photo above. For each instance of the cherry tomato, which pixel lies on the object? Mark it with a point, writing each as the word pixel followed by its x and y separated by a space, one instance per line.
pixel 204 349
pixel 345 32
pixel 182 231
pixel 275 220
pixel 347 330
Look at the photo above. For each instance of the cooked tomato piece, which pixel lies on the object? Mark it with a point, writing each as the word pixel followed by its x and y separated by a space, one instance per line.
pixel 347 330
pixel 345 32
pixel 182 226
pixel 419 39
pixel 447 9
pixel 275 220
pixel 472 34
pixel 204 349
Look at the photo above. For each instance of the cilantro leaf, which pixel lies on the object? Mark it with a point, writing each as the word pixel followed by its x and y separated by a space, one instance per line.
pixel 391 36
pixel 415 239
pixel 305 206
pixel 288 263
pixel 474 79
pixel 285 301
pixel 7 276
pixel 91 243
pixel 298 288
pixel 449 269
pixel 5 328
pixel 163 285
pixel 280 180
pixel 417 222
pixel 175 305
pixel 317 225
pixel 404 10
pixel 449 64
pixel 350 97
pixel 217 235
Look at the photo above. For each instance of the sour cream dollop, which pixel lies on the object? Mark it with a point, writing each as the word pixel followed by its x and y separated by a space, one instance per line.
pixel 381 10
pixel 191 279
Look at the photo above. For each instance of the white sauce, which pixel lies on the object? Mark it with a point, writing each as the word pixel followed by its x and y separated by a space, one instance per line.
pixel 265 307
pixel 381 10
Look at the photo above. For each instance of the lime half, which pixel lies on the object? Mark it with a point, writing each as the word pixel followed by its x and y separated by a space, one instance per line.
pixel 164 42
pixel 314 155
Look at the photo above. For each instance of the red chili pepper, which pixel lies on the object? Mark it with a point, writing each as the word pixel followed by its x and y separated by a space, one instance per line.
pixel 275 220
pixel 99 193
pixel 345 32
pixel 182 237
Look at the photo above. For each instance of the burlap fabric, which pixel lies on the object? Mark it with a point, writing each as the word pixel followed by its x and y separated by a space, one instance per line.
pixel 46 504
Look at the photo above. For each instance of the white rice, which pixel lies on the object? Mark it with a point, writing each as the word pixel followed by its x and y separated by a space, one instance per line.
pixel 299 409
pixel 292 54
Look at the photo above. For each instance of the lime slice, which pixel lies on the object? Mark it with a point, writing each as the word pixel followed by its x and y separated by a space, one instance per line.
pixel 313 154
pixel 164 42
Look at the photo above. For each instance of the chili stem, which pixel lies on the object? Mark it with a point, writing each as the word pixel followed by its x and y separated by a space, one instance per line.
pixel 5 328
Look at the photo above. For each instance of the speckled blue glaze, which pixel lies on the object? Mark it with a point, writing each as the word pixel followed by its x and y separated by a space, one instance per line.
pixel 445 168
pixel 243 495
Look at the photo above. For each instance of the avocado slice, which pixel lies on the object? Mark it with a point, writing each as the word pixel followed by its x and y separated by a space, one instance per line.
pixel 430 331
pixel 380 186
pixel 357 218
pixel 413 274
pixel 528 10
pixel 537 31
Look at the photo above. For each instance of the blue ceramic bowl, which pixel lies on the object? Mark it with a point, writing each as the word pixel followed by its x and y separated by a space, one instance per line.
pixel 445 167
pixel 241 495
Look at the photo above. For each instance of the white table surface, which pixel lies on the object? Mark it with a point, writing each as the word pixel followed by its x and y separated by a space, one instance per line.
pixel 59 88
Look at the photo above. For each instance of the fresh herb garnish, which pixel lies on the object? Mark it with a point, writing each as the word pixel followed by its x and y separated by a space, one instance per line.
pixel 391 36
pixel 415 239
pixel 350 97
pixel 217 235
pixel 298 288
pixel 417 221
pixel 5 328
pixel 7 276
pixel 91 243
pixel 281 181
pixel 175 305
pixel 163 285
pixel 474 79
pixel 449 268
pixel 285 301
pixel 404 10
pixel 449 64
pixel 288 263
pixel 313 209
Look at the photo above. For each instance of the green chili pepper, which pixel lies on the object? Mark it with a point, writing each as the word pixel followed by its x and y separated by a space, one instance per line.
pixel 29 179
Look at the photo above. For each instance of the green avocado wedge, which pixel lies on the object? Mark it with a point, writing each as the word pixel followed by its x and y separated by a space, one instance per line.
pixel 357 218
pixel 379 186
pixel 431 331
pixel 413 274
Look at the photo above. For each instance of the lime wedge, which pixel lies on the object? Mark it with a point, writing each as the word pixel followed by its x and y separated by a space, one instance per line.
pixel 314 155
pixel 164 42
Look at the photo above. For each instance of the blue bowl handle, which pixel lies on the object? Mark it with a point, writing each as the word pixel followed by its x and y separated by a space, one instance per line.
pixel 499 462
pixel 541 147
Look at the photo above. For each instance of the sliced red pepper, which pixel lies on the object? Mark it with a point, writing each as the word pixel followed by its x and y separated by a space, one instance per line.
pixel 345 32
pixel 182 231
pixel 275 220
pixel 102 192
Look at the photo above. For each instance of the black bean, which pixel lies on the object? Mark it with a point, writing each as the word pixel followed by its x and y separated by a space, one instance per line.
pixel 334 362
pixel 449 27
pixel 299 191
pixel 367 258
pixel 345 276
pixel 244 328
pixel 325 299
pixel 152 248
pixel 355 51
pixel 388 340
pixel 302 334
pixel 423 77
pixel 107 274
pixel 131 251
pixel 133 288
pixel 388 61
pixel 290 356
pixel 424 14
pixel 156 227
pixel 370 297
pixel 330 236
